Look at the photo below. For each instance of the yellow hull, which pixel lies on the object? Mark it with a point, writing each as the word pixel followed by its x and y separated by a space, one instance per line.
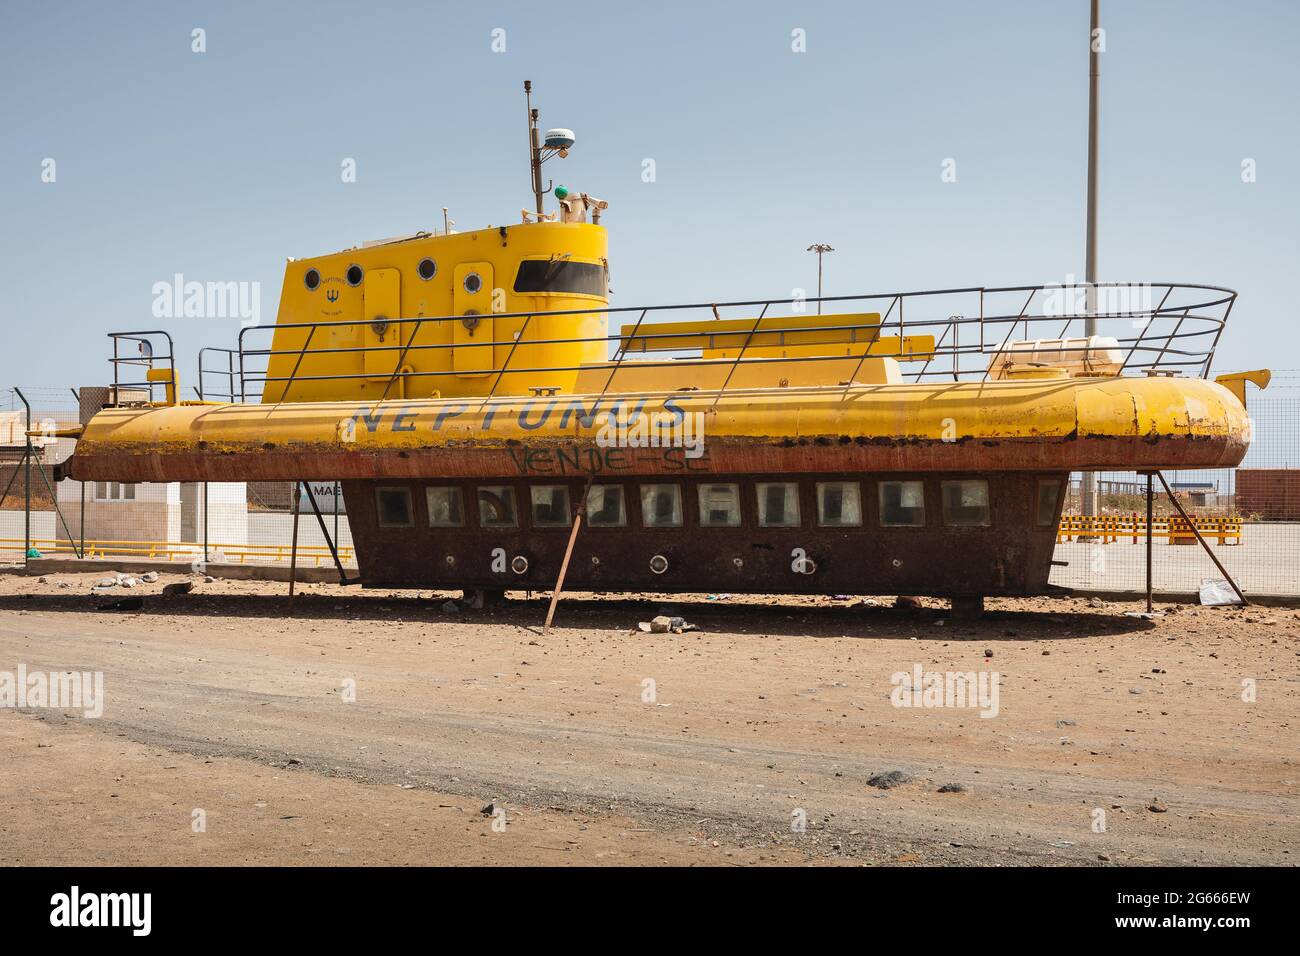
pixel 1069 424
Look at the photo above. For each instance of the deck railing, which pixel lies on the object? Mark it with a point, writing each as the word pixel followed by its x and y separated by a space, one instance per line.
pixel 1158 328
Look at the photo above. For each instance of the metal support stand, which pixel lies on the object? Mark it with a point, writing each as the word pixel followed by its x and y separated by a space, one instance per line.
pixel 206 552
pixel 1191 524
pixel 293 548
pixel 320 519
pixel 1150 497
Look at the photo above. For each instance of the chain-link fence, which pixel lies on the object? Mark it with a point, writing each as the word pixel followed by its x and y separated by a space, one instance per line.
pixel 1250 515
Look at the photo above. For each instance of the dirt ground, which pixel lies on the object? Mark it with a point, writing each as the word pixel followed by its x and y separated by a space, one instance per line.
pixel 369 727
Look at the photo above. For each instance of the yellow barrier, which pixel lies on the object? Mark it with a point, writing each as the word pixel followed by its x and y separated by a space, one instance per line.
pixel 175 551
pixel 1223 529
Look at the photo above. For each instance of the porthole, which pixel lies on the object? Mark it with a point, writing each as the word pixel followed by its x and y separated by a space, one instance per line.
pixel 311 279
pixel 427 269
pixel 354 275
pixel 473 283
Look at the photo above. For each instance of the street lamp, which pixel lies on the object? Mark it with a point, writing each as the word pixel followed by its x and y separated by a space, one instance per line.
pixel 821 248
pixel 1088 487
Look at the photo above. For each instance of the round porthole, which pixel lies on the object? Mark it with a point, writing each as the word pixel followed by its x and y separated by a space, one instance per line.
pixel 473 283
pixel 311 279
pixel 427 269
pixel 354 275
pixel 519 564
pixel 658 564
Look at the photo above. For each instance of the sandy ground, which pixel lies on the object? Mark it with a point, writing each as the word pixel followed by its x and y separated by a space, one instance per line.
pixel 604 745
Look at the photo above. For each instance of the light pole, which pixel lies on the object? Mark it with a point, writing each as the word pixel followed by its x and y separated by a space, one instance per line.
pixel 821 248
pixel 1088 489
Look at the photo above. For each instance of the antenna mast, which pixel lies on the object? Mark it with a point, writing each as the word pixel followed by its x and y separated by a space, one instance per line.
pixel 534 148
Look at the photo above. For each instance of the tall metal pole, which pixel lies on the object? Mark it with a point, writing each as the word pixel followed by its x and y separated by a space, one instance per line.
pixel 1089 487
pixel 27 480
pixel 820 248
pixel 534 148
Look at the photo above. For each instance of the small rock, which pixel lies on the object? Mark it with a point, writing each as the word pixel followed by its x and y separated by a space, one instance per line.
pixel 908 603
pixel 450 607
pixel 888 779
pixel 149 577
pixel 953 788
pixel 1158 807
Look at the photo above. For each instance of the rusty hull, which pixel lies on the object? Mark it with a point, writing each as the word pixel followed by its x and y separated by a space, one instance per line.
pixel 1010 557
pixel 831 454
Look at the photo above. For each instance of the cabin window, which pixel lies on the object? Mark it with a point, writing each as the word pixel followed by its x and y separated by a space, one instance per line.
pixel 114 491
pixel 496 507
pixel 446 507
pixel 354 275
pixel 778 504
pixel 561 275
pixel 839 504
pixel 427 269
pixel 606 507
pixel 719 506
pixel 902 504
pixel 394 507
pixel 661 506
pixel 311 279
pixel 1049 491
pixel 550 506
pixel 966 503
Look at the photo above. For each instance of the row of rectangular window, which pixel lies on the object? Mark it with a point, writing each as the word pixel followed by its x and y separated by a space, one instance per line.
pixel 113 491
pixel 839 505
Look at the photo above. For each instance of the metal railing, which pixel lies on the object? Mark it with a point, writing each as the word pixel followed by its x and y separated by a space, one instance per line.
pixel 1158 328
pixel 145 357
pixel 226 379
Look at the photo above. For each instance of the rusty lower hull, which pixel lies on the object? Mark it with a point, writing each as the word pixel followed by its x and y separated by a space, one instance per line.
pixel 557 456
pixel 1011 556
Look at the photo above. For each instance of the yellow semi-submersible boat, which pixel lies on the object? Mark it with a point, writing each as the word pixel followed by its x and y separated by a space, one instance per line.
pixel 479 400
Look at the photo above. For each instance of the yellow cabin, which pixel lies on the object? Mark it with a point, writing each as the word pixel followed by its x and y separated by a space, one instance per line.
pixel 486 294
